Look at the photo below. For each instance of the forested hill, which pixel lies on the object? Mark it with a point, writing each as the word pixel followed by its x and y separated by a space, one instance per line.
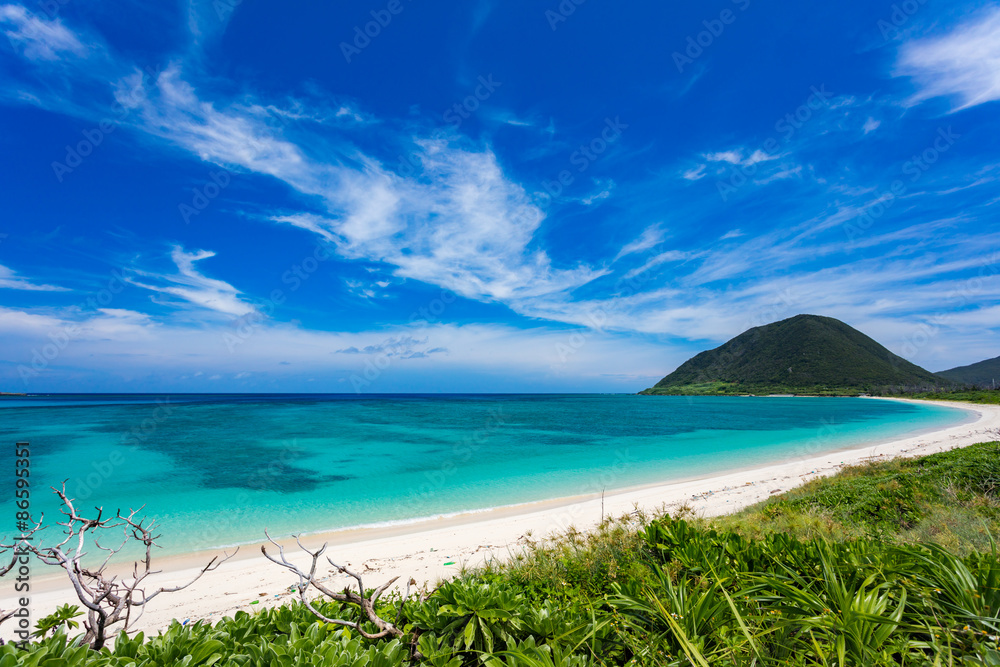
pixel 805 354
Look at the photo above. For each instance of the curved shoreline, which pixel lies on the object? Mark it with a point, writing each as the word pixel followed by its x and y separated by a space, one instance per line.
pixel 420 549
pixel 470 515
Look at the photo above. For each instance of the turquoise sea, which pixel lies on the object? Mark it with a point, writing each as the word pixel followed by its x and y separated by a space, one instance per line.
pixel 217 469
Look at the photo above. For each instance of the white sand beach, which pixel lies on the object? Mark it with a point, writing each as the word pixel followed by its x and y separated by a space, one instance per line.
pixel 432 550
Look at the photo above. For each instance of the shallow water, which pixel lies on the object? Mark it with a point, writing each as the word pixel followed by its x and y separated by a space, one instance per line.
pixel 217 470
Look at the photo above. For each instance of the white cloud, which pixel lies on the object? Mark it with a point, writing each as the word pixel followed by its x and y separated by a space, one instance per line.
pixel 193 287
pixel 347 112
pixel 310 222
pixel 405 354
pixel 366 290
pixel 114 323
pixel 651 237
pixel 509 118
pixel 736 157
pixel 170 109
pixel 463 226
pixel 695 173
pixel 604 187
pixel 10 280
pixel 759 156
pixel 732 157
pixel 458 222
pixel 790 172
pixel 39 39
pixel 964 63
pixel 732 234
pixel 871 125
pixel 657 260
pixel 71 325
pixel 592 199
pixel 19 321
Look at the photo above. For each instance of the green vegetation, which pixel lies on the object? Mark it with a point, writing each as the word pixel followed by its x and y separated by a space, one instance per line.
pixel 986 396
pixel 886 564
pixel 805 354
pixel 951 499
pixel 982 374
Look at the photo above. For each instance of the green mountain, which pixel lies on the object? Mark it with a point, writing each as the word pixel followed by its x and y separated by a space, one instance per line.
pixel 805 354
pixel 982 374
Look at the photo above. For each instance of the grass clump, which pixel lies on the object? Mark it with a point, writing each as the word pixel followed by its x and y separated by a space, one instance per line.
pixel 951 498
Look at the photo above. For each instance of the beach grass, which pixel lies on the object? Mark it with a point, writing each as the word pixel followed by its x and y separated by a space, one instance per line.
pixel 951 498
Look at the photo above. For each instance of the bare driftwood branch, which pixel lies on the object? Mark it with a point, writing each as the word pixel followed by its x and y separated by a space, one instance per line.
pixel 109 600
pixel 360 599
pixel 4 614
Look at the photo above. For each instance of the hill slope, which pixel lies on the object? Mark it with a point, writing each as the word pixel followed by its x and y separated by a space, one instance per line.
pixel 805 354
pixel 982 374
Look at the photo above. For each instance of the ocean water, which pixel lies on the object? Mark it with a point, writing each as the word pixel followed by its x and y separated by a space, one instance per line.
pixel 217 470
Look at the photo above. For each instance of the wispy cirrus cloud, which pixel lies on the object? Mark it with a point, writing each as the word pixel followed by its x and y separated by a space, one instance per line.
pixel 193 287
pixel 39 39
pixel 463 225
pixel 736 157
pixel 964 63
pixel 657 260
pixel 651 237
pixel 695 173
pixel 10 280
pixel 458 222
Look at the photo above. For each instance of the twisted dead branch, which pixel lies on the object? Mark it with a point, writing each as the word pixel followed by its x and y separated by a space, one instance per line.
pixel 366 603
pixel 109 600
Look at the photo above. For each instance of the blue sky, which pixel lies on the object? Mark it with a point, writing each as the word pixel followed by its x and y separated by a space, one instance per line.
pixel 400 195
